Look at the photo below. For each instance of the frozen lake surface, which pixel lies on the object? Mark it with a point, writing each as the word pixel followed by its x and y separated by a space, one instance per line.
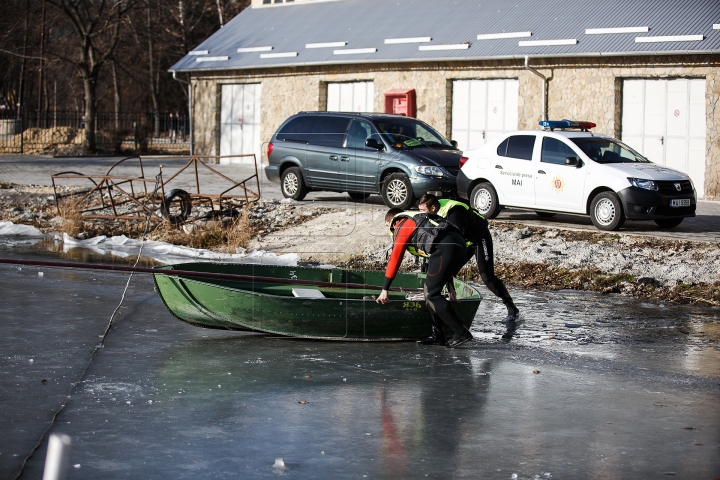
pixel 585 386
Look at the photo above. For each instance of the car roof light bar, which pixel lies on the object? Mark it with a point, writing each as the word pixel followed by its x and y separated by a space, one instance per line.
pixel 563 124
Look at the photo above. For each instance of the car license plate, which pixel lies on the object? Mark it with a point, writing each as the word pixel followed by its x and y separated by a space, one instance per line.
pixel 680 202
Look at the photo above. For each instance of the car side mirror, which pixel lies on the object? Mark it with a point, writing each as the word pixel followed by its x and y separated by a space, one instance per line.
pixel 572 161
pixel 372 143
pixel 453 143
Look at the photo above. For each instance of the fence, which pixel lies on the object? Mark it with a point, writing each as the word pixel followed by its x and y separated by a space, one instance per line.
pixel 58 132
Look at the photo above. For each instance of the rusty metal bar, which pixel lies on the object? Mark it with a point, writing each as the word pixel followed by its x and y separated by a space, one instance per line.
pixel 197 180
pixel 115 191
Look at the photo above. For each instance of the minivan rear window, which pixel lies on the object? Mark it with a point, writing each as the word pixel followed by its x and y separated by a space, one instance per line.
pixel 329 131
pixel 298 129
pixel 517 146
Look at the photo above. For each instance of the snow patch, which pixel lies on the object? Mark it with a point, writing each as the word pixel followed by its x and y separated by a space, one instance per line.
pixel 9 228
pixel 167 253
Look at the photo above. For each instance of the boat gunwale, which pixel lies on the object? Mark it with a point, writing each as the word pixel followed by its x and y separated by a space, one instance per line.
pixel 475 297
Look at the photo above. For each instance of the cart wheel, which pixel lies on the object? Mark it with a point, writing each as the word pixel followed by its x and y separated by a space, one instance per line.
pixel 176 206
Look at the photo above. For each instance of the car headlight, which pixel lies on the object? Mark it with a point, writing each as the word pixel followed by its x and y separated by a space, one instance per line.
pixel 642 183
pixel 431 171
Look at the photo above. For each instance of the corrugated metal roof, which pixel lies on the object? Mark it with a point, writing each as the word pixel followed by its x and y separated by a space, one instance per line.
pixel 367 23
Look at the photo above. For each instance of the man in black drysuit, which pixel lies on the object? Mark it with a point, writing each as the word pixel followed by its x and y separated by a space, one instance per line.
pixel 474 229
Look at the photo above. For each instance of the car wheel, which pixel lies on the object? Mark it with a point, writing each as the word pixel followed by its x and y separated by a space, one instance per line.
pixel 397 191
pixel 606 211
pixel 292 184
pixel 669 222
pixel 484 199
pixel 358 195
pixel 545 214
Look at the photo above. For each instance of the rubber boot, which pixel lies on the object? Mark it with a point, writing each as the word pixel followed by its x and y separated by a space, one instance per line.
pixel 513 312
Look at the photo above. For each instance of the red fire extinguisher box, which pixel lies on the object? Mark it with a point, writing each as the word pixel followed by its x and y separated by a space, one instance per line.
pixel 400 102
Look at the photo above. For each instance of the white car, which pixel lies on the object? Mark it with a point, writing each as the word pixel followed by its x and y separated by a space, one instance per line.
pixel 567 168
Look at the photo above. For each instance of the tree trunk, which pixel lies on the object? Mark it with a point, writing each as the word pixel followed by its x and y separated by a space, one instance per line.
pixel 153 89
pixel 89 84
pixel 21 86
pixel 220 13
pixel 116 99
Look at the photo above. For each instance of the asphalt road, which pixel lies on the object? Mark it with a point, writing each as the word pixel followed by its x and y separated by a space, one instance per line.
pixel 37 170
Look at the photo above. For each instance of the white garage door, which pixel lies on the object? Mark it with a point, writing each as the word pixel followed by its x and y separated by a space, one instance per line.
pixel 350 97
pixel 665 121
pixel 482 110
pixel 240 122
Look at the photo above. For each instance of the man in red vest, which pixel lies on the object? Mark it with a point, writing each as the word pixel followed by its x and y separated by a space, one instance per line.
pixel 434 238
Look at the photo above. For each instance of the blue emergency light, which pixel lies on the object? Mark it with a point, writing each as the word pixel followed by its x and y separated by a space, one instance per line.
pixel 553 124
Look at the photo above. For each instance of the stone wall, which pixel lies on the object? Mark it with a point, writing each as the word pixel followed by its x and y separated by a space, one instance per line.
pixel 588 89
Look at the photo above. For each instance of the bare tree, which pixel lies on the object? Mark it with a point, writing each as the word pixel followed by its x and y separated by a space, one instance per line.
pixel 91 57
pixel 97 25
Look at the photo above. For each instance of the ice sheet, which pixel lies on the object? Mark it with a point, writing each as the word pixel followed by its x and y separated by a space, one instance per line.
pixel 9 228
pixel 166 253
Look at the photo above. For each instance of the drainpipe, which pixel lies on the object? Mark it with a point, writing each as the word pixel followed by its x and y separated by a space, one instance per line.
pixel 190 111
pixel 544 87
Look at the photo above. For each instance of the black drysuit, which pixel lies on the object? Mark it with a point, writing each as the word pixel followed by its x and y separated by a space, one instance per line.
pixel 475 229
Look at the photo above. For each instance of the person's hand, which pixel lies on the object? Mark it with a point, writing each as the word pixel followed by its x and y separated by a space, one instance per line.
pixel 383 298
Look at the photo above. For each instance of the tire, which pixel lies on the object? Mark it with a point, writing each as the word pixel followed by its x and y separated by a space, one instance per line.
pixel 669 222
pixel 292 184
pixel 397 191
pixel 176 206
pixel 484 199
pixel 358 195
pixel 606 211
pixel 545 214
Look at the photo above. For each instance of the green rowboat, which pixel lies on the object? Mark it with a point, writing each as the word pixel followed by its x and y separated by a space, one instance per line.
pixel 331 304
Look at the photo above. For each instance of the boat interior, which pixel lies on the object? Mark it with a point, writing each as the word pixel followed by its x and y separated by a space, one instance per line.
pixel 347 284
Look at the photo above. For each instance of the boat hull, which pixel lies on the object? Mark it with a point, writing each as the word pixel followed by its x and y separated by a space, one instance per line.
pixel 343 314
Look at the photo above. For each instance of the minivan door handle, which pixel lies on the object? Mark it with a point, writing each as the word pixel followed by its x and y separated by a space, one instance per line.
pixel 333 158
pixel 498 166
pixel 542 171
pixel 344 159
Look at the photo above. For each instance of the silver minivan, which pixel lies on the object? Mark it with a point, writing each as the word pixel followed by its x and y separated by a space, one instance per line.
pixel 398 157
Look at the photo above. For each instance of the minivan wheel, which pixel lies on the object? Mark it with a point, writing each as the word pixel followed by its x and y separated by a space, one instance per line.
pixel 669 222
pixel 397 191
pixel 292 184
pixel 606 211
pixel 484 199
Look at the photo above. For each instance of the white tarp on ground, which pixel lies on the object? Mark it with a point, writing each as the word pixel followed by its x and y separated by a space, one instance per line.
pixel 166 253
pixel 9 228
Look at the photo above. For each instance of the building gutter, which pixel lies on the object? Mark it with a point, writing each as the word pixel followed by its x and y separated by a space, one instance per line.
pixel 544 87
pixel 190 111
